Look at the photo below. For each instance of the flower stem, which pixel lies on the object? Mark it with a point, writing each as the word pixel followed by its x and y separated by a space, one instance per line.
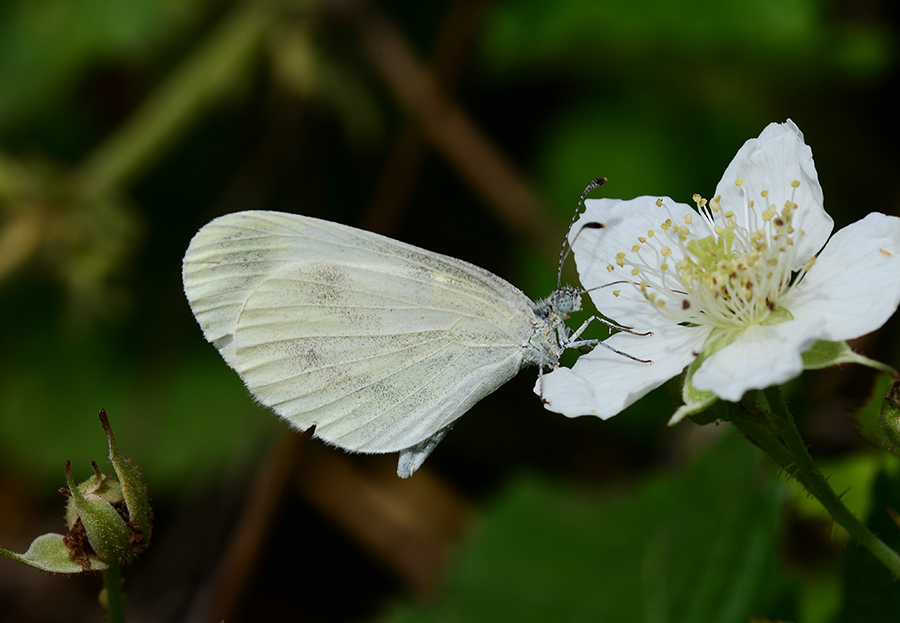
pixel 776 433
pixel 814 482
pixel 112 597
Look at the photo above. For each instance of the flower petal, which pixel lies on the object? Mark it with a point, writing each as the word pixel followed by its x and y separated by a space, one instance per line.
pixel 595 250
pixel 602 383
pixel 762 356
pixel 771 163
pixel 854 286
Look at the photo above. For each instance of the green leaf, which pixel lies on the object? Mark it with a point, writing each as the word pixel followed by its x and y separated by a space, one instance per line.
pixel 699 546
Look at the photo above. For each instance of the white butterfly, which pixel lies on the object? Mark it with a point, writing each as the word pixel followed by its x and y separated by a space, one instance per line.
pixel 378 344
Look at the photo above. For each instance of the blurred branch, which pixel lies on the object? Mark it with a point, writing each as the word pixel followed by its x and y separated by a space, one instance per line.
pixel 452 134
pixel 20 239
pixel 219 63
pixel 410 148
pixel 21 235
pixel 220 597
pixel 410 527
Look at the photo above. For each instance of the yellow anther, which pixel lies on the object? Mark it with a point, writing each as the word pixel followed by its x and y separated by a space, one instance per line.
pixel 665 251
pixel 610 267
pixel 688 219
pixel 642 239
pixel 795 183
pixel 659 203
pixel 764 193
pixel 738 181
pixel 636 248
pixel 635 272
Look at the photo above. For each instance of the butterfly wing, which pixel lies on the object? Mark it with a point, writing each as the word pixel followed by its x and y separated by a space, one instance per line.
pixel 377 343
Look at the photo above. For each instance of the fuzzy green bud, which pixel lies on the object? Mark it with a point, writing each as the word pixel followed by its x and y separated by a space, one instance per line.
pixel 890 414
pixel 109 520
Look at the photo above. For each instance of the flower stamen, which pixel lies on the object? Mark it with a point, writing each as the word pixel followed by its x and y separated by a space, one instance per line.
pixel 729 274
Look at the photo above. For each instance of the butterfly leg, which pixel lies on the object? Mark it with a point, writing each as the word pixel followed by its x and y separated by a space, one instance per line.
pixel 584 325
pixel 573 339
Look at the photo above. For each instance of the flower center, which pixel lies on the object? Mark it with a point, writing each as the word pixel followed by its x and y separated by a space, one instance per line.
pixel 723 271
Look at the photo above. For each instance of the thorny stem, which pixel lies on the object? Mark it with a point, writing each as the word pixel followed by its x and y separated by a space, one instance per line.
pixel 775 432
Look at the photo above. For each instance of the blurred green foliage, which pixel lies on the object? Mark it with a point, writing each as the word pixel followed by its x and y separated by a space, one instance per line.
pixel 698 546
pixel 47 47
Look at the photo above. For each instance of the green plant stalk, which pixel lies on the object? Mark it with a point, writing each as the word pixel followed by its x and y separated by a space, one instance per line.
pixel 818 486
pixel 775 432
pixel 218 65
pixel 112 597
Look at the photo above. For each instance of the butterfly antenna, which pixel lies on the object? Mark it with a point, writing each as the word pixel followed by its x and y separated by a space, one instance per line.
pixel 567 247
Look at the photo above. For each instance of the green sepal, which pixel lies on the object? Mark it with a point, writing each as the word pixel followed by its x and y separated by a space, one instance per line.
pixel 824 354
pixel 48 552
pixel 696 400
pixel 108 534
pixel 131 480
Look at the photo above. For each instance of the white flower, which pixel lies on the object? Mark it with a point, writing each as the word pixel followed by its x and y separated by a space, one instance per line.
pixel 732 290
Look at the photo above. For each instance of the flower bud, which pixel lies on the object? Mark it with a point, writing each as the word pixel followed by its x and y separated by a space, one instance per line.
pixel 109 520
pixel 110 516
pixel 890 414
